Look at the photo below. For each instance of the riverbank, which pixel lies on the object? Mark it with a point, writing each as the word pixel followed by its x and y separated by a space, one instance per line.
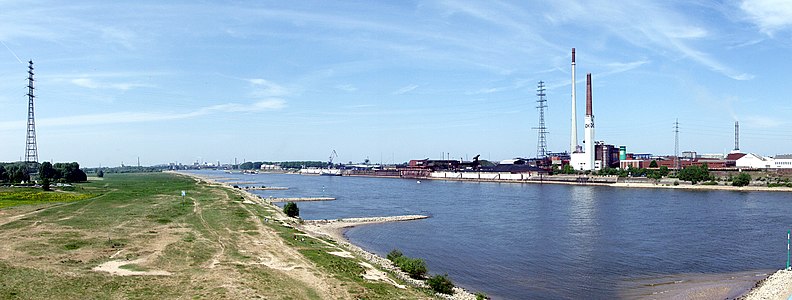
pixel 611 181
pixel 333 230
pixel 776 286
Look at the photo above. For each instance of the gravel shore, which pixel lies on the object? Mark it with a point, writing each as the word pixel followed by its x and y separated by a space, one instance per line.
pixel 776 286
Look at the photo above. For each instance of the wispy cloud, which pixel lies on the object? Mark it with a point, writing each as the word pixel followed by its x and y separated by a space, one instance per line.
pixel 266 88
pixel 618 67
pixel 406 89
pixel 646 24
pixel 346 87
pixel 769 15
pixel 93 84
pixel 763 122
pixel 143 117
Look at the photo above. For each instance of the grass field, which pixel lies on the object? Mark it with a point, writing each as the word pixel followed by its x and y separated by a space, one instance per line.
pixel 132 236
pixel 13 196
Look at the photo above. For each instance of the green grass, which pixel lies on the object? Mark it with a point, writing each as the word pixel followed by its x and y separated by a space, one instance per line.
pixel 29 196
pixel 63 243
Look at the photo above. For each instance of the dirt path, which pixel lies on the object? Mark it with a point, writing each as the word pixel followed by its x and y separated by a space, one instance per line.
pixel 197 210
pixel 272 252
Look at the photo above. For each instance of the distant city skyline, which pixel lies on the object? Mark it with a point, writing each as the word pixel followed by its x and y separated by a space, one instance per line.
pixel 388 81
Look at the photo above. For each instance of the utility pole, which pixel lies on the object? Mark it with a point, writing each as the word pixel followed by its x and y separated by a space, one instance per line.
pixel 31 150
pixel 676 145
pixel 541 146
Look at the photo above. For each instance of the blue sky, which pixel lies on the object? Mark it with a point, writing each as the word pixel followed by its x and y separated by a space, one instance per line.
pixel 388 80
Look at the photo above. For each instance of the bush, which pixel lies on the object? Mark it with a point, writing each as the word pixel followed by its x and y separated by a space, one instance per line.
pixel 481 296
pixel 291 210
pixel 441 284
pixel 710 183
pixel 676 182
pixel 415 267
pixel 100 173
pixel 393 255
pixel 742 179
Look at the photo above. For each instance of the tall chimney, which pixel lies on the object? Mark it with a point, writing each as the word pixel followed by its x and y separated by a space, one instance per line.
pixel 589 128
pixel 573 142
pixel 588 94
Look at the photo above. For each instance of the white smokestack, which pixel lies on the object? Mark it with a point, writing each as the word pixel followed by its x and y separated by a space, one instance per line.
pixel 573 138
pixel 589 124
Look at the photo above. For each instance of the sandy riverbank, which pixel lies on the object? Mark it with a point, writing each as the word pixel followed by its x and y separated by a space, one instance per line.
pixel 333 229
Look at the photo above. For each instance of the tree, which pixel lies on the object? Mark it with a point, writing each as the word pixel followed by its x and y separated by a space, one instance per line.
pixel 46 171
pixel 663 171
pixel 653 164
pixel 100 173
pixel 695 174
pixel 291 210
pixel 568 170
pixel 742 180
pixel 3 174
pixel 441 284
pixel 45 184
pixel 69 172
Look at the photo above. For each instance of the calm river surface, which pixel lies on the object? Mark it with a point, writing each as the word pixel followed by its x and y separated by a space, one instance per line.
pixel 529 241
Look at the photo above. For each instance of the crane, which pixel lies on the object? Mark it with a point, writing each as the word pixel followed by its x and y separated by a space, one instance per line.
pixel 330 160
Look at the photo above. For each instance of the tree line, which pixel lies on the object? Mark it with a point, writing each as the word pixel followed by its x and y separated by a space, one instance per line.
pixel 18 172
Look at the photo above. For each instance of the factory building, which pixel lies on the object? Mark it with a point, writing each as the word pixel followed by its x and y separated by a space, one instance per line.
pixel 608 155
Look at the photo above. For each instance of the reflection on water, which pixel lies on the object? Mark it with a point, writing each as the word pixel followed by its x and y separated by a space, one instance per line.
pixel 531 241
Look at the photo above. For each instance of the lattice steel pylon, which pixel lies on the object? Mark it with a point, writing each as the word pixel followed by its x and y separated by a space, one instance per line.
pixel 31 150
pixel 541 145
pixel 676 146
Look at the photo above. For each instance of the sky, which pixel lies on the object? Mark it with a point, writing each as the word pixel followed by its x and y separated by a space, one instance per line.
pixel 209 81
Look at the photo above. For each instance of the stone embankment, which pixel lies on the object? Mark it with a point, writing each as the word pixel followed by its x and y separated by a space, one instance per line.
pixel 776 286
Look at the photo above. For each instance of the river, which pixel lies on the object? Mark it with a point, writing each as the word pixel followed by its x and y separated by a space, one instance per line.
pixel 549 241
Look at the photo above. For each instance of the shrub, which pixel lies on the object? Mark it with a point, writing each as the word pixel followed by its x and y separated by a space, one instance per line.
pixel 710 183
pixel 441 284
pixel 291 210
pixel 415 267
pixel 393 255
pixel 100 173
pixel 481 296
pixel 676 182
pixel 742 179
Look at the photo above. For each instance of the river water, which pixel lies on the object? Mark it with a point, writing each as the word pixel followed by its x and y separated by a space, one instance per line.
pixel 546 241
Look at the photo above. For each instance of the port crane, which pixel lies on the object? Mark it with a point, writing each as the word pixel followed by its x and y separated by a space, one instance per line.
pixel 333 155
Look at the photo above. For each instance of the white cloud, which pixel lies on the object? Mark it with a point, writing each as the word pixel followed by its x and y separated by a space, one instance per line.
pixel 346 88
pixel 265 88
pixel 93 84
pixel 770 15
pixel 142 117
pixel 406 89
pixel 763 122
pixel 647 24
